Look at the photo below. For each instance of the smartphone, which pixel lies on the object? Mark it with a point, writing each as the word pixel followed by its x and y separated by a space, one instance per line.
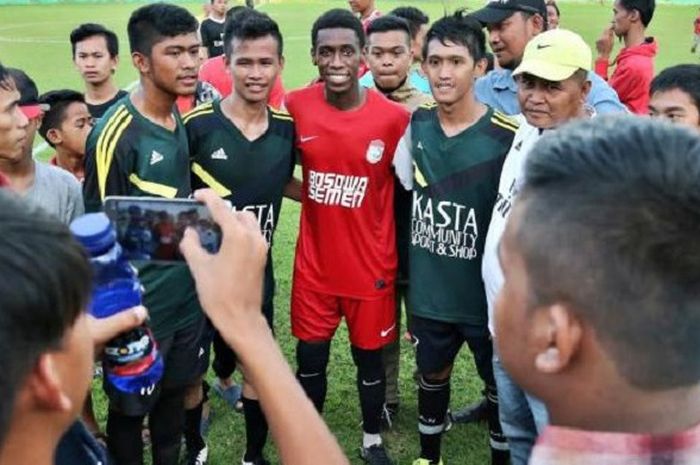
pixel 151 228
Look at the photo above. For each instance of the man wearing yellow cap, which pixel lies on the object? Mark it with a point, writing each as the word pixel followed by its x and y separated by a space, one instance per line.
pixel 552 89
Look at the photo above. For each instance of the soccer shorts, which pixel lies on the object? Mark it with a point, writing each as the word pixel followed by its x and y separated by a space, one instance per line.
pixel 184 355
pixel 437 344
pixel 316 316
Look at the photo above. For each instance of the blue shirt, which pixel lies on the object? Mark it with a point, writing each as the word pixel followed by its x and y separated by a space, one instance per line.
pixel 415 79
pixel 499 90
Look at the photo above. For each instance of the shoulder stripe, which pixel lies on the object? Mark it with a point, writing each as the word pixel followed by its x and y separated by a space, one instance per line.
pixel 419 178
pixel 282 117
pixel 192 115
pixel 278 112
pixel 109 125
pixel 204 106
pixel 209 180
pixel 508 127
pixel 428 105
pixel 106 144
pixel 153 187
pixel 505 119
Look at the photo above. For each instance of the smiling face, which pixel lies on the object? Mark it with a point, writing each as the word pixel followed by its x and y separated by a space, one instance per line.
pixel 337 56
pixel 254 66
pixel 389 58
pixel 549 104
pixel 451 71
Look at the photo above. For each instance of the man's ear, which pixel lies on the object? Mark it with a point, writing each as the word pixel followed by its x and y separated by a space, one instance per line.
pixel 141 62
pixel 560 333
pixel 480 68
pixel 44 386
pixel 635 16
pixel 538 23
pixel 313 56
pixel 54 136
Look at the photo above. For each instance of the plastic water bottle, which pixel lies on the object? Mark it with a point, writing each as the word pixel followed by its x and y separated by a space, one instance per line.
pixel 131 361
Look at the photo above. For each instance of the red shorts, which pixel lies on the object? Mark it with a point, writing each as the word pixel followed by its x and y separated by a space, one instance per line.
pixel 316 316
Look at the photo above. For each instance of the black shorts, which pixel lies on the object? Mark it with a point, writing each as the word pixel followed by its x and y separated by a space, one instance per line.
pixel 183 355
pixel 437 344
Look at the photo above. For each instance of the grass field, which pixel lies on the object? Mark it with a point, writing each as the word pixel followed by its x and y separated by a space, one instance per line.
pixel 35 38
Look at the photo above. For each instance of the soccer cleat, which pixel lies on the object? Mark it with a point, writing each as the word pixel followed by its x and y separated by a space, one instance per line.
pixel 375 455
pixel 426 462
pixel 200 458
pixel 471 413
pixel 257 461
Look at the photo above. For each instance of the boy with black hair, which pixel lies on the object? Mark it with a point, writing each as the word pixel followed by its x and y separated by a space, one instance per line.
pixel 675 95
pixel 140 148
pixel 96 56
pixel 620 342
pixel 634 65
pixel 211 31
pixel 346 218
pixel 223 137
pixel 419 22
pixel 65 127
pixel 452 202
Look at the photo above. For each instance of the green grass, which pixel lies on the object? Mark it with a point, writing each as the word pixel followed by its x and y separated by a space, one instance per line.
pixel 35 38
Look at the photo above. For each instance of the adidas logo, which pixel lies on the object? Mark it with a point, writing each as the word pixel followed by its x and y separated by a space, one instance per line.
pixel 156 157
pixel 420 145
pixel 519 145
pixel 219 154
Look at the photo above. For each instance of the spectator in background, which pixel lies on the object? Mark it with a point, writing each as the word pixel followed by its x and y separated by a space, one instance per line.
pixel 553 15
pixel 96 57
pixel 511 24
pixel 65 127
pixel 211 30
pixel 696 30
pixel 367 11
pixel 419 22
pixel 675 95
pixel 634 65
pixel 49 187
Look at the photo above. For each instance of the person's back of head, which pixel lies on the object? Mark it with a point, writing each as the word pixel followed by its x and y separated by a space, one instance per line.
pixel 152 23
pixel 88 30
pixel 46 352
pixel 67 119
pixel 598 316
pixel 645 8
pixel 675 95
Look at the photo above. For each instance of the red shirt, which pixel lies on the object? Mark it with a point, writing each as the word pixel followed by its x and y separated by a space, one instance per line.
pixel 346 243
pixel 697 25
pixel 214 72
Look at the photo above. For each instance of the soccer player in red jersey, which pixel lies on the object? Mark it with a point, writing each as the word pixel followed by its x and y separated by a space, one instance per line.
pixel 345 262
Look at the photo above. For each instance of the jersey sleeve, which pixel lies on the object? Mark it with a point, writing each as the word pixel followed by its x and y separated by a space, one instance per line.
pixel 403 160
pixel 107 169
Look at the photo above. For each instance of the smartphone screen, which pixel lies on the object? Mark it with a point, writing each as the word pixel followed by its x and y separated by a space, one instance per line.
pixel 151 228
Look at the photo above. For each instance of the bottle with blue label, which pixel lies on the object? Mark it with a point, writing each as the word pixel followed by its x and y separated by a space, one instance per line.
pixel 131 361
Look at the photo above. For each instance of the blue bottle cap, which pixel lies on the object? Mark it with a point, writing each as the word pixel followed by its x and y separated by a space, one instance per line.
pixel 95 232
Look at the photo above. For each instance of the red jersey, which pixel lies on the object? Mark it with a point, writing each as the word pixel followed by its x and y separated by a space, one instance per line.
pixel 214 72
pixel 697 25
pixel 346 243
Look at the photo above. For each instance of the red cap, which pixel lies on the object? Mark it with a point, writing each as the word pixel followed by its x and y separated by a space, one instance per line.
pixel 33 110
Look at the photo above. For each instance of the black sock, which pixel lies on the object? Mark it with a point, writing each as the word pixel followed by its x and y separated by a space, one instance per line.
pixel 124 440
pixel 370 386
pixel 255 429
pixel 433 399
pixel 193 436
pixel 167 423
pixel 312 360
pixel 497 440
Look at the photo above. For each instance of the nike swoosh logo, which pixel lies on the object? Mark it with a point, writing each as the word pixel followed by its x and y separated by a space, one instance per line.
pixel 371 383
pixel 303 139
pixel 541 46
pixel 385 332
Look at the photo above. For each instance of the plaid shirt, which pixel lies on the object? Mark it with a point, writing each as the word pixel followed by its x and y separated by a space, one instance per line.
pixel 564 446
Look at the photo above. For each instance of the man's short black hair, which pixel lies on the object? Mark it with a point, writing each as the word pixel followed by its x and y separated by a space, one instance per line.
pixel 235 11
pixel 28 92
pixel 461 29
pixel 337 18
pixel 58 102
pixel 45 286
pixel 645 7
pixel 152 23
pixel 415 17
pixel 389 23
pixel 609 226
pixel 254 25
pixel 685 78
pixel 87 30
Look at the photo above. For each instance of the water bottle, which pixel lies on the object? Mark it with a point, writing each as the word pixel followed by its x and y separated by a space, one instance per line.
pixel 131 361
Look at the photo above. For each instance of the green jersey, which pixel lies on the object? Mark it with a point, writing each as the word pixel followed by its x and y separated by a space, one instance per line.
pixel 251 175
pixel 127 154
pixel 455 183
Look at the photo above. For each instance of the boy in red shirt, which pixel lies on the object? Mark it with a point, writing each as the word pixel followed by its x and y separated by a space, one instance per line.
pixel 634 68
pixel 696 40
pixel 345 262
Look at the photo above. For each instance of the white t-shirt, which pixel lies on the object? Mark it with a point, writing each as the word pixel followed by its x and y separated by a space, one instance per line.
pixel 508 187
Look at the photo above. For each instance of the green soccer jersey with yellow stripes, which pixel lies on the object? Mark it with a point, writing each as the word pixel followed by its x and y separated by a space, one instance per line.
pixel 251 175
pixel 455 183
pixel 129 155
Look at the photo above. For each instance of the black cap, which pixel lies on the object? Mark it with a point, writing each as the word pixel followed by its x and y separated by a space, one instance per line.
pixel 498 10
pixel 28 92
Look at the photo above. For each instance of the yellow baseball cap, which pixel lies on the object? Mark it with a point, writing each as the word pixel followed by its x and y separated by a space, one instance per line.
pixel 555 55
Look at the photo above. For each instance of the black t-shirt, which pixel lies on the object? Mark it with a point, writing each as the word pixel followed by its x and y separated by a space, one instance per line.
pixel 212 33
pixel 96 111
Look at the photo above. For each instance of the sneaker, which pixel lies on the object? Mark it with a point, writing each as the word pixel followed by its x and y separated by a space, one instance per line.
pixel 471 413
pixel 200 458
pixel 375 455
pixel 231 394
pixel 258 461
pixel 426 462
pixel 389 414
